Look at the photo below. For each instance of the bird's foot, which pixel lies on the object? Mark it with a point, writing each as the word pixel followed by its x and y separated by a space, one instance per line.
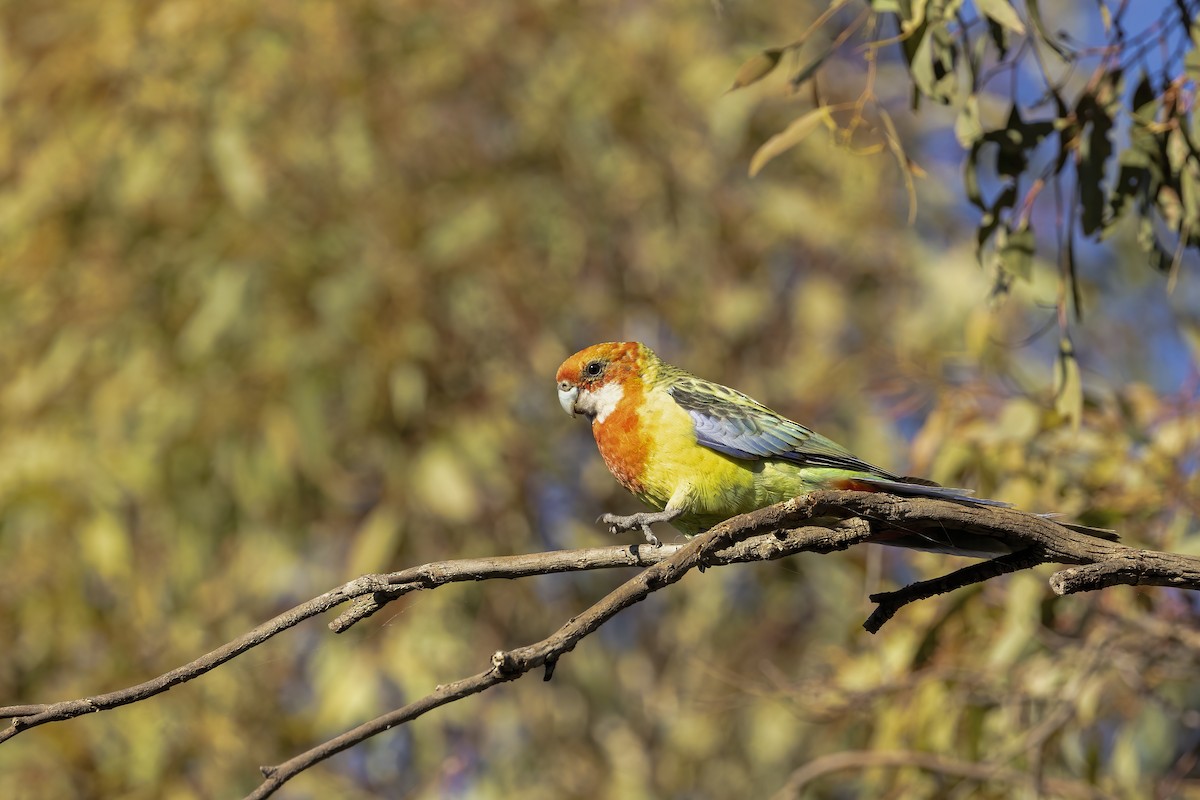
pixel 643 520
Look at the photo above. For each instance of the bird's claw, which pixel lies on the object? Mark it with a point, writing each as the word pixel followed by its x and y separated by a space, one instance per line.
pixel 619 524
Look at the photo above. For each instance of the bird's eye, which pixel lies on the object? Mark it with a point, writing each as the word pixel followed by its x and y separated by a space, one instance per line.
pixel 593 369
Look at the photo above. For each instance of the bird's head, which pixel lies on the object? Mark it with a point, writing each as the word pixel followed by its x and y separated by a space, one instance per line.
pixel 592 382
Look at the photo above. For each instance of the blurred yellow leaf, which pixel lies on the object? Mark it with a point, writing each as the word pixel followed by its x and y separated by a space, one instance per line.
pixel 34 384
pixel 408 388
pixel 789 137
pixel 1001 12
pixel 238 167
pixel 1189 331
pixel 1068 385
pixel 374 542
pixel 1016 248
pixel 738 310
pixel 443 483
pixel 105 546
pixel 756 68
pixel 220 311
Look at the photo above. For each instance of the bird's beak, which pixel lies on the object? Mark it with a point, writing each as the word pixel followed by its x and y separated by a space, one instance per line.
pixel 566 398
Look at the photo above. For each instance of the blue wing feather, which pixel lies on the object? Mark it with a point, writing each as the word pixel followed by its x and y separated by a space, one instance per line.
pixel 729 422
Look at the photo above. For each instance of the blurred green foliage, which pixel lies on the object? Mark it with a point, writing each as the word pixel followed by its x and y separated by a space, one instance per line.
pixel 282 291
pixel 1078 123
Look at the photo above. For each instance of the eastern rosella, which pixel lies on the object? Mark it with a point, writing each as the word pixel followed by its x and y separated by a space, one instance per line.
pixel 700 453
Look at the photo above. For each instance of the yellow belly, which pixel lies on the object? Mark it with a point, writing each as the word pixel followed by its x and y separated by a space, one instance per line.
pixel 709 486
pixel 650 446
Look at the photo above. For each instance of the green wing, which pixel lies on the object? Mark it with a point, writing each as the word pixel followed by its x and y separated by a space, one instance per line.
pixel 729 422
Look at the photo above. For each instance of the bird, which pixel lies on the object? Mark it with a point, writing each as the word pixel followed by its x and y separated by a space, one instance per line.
pixel 699 453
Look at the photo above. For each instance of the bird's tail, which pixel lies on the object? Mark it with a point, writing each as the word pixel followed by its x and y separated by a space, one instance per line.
pixel 920 487
pixel 1099 533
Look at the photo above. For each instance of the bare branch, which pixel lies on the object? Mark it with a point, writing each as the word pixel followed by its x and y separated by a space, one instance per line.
pixel 22 719
pixel 716 547
pixel 1137 568
pixel 1102 563
pixel 372 592
pixel 370 587
pixel 865 515
pixel 888 603
pixel 1019 529
pixel 439 573
pixel 819 522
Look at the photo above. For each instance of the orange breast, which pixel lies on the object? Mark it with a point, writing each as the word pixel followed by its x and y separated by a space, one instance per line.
pixel 623 442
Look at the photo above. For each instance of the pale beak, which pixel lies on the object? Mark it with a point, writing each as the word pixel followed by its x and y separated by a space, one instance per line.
pixel 566 397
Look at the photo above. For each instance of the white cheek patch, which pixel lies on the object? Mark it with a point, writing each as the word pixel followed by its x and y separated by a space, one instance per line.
pixel 599 403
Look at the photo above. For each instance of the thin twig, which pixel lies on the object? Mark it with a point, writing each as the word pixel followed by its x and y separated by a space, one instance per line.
pixel 439 573
pixel 23 720
pixel 981 772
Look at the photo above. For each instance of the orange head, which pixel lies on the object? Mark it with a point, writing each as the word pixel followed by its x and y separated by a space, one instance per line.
pixel 592 382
